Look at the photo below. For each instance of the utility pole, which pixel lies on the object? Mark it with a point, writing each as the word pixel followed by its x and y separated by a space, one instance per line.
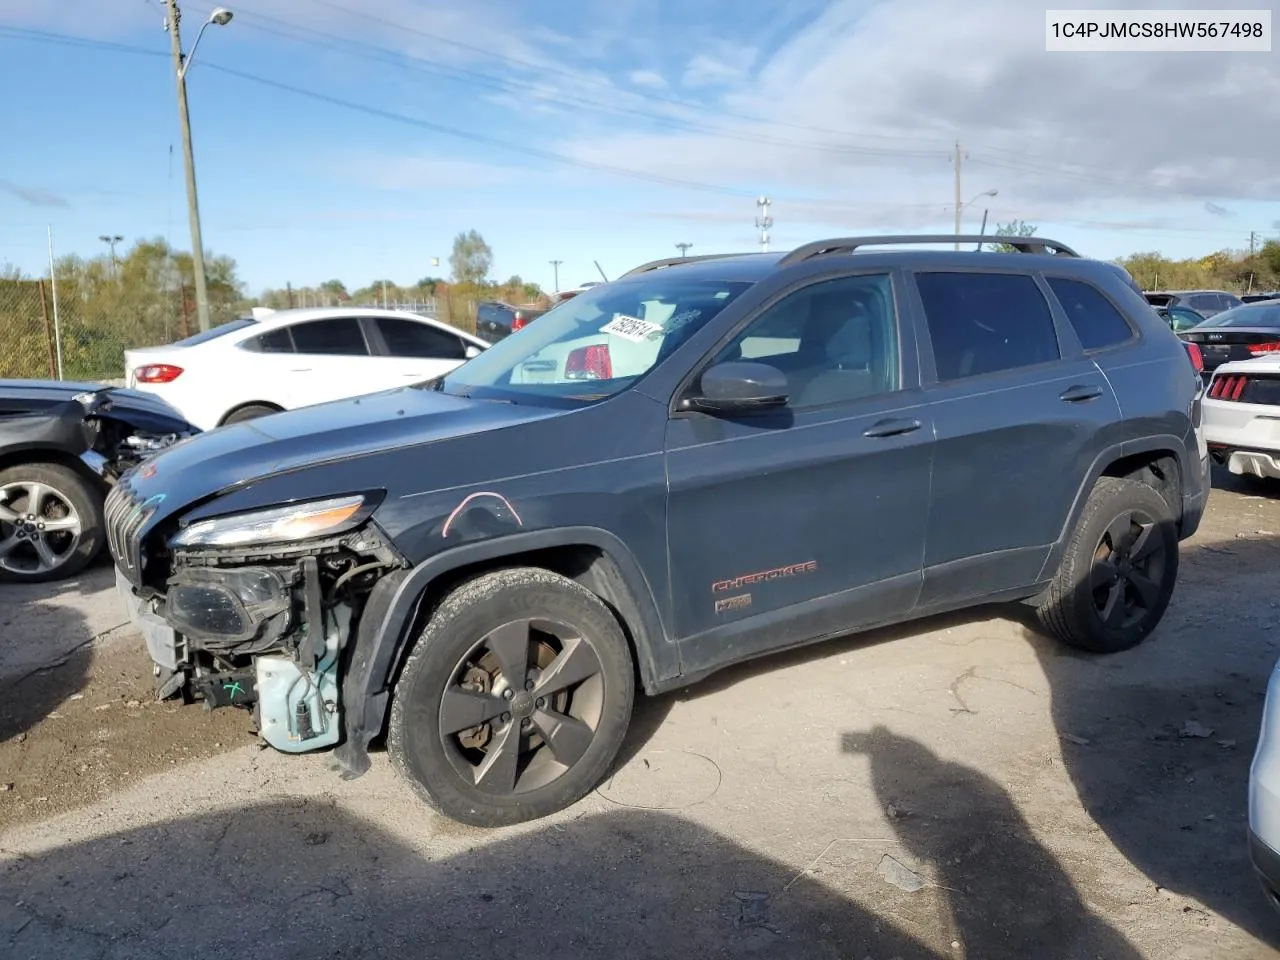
pixel 193 204
pixel 983 231
pixel 684 248
pixel 764 222
pixel 957 166
pixel 111 240
pixel 1253 240
pixel 555 265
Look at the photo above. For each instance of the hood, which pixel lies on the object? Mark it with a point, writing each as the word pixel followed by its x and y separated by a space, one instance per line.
pixel 142 411
pixel 241 453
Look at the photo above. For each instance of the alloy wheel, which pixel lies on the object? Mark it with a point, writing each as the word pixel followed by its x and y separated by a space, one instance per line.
pixel 1128 569
pixel 39 527
pixel 522 706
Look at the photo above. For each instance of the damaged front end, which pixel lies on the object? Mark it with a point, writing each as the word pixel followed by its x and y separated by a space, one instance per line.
pixel 253 610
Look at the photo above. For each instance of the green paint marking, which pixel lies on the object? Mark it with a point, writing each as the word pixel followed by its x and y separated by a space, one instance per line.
pixel 232 689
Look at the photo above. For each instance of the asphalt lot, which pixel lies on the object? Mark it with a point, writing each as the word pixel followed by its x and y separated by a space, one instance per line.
pixel 960 787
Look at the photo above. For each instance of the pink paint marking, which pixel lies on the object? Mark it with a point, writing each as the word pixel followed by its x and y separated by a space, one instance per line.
pixel 483 493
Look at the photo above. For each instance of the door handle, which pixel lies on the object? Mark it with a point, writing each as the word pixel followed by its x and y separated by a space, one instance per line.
pixel 300 370
pixel 1080 393
pixel 891 428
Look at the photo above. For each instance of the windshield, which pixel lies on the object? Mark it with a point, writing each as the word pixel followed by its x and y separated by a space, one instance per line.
pixel 219 331
pixel 1248 315
pixel 596 344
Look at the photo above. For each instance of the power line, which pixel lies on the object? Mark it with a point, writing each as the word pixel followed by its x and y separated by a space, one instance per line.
pixel 1040 166
pixel 515 85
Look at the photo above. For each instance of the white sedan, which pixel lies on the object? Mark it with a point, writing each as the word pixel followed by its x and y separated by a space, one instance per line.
pixel 1242 416
pixel 284 359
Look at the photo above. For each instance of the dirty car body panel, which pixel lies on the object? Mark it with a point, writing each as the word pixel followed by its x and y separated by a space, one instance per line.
pixel 713 538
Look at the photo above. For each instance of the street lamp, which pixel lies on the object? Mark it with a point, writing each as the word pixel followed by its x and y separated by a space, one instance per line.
pixel 111 240
pixel 961 207
pixel 220 17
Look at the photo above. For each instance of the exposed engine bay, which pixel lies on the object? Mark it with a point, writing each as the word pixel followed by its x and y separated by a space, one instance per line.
pixel 263 629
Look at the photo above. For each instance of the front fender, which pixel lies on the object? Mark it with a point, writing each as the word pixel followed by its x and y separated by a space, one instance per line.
pixel 394 604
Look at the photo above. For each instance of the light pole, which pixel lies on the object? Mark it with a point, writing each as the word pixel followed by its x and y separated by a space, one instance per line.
pixel 684 248
pixel 961 207
pixel 555 265
pixel 111 240
pixel 219 17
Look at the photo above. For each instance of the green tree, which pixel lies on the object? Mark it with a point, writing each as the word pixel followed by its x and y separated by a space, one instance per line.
pixel 335 288
pixel 471 259
pixel 1014 228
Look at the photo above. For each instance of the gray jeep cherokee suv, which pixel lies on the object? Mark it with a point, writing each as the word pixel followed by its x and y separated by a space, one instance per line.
pixel 701 462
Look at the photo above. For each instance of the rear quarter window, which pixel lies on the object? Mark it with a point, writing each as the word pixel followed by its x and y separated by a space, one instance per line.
pixel 1094 318
pixel 983 323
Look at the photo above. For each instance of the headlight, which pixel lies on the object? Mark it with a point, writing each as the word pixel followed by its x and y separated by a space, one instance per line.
pixel 298 521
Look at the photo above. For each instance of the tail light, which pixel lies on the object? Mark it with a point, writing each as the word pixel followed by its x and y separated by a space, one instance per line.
pixel 1263 349
pixel 158 373
pixel 518 321
pixel 589 363
pixel 1196 355
pixel 1228 387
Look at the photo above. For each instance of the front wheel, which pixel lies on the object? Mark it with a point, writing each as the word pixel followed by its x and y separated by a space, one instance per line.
pixel 1118 572
pixel 51 522
pixel 514 700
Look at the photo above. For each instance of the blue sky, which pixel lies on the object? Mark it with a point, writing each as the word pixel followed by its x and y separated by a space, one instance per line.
pixel 611 131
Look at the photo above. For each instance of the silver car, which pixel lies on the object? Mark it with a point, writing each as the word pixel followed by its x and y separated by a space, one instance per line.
pixel 1264 795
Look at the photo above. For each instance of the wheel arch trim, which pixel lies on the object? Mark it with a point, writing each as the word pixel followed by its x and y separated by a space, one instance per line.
pixel 395 603
pixel 1154 443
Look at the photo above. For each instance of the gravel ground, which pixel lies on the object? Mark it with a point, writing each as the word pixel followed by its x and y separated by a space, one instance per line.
pixel 960 787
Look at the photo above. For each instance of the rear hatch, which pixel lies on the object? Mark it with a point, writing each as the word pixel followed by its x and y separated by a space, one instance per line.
pixel 1220 345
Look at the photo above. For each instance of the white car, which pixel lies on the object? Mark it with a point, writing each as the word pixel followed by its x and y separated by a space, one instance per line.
pixel 1264 795
pixel 284 359
pixel 1242 416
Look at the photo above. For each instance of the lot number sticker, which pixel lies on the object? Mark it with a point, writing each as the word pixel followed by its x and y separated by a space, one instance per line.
pixel 631 328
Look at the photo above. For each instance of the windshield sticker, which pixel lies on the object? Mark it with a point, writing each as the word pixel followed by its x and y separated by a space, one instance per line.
pixel 630 328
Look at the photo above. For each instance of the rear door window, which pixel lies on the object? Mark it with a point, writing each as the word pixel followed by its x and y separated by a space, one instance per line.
pixel 406 338
pixel 983 323
pixel 273 341
pixel 1094 318
pixel 341 336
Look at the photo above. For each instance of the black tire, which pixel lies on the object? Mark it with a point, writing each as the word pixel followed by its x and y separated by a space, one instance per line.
pixel 250 411
pixel 1115 580
pixel 438 765
pixel 74 552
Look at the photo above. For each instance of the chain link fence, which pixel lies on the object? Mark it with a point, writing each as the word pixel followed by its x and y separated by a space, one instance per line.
pixel 84 333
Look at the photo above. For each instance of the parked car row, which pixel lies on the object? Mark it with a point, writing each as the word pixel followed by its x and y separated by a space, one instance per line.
pixel 667 474
pixel 1207 303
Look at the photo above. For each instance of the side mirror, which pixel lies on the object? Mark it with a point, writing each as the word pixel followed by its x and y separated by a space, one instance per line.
pixel 472 351
pixel 739 386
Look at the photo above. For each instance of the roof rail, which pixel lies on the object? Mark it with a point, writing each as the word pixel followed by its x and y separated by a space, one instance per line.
pixel 672 261
pixel 850 244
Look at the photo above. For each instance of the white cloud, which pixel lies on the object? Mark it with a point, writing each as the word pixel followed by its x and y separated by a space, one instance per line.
pixel 418 173
pixel 722 64
pixel 865 103
pixel 647 78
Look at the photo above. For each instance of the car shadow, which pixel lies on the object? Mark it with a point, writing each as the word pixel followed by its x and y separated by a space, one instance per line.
pixel 307 879
pixel 1171 800
pixel 45 650
pixel 1158 740
pixel 1009 896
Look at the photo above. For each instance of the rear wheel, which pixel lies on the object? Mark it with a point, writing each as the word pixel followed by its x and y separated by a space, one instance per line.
pixel 250 411
pixel 51 522
pixel 514 700
pixel 1118 572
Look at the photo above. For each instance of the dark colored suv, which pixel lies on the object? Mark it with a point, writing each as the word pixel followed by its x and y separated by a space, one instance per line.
pixel 496 321
pixel 696 464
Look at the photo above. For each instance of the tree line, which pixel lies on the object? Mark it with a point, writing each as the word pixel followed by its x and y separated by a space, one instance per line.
pixel 147 296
